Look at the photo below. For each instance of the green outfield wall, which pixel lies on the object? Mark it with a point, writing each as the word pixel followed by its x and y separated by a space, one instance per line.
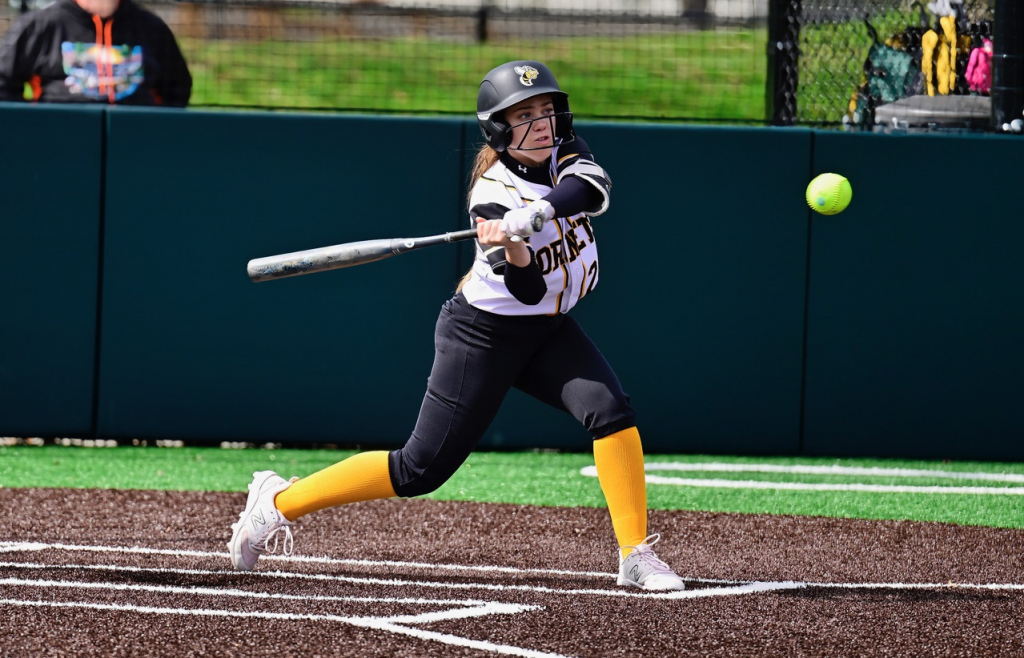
pixel 738 321
pixel 915 323
pixel 51 223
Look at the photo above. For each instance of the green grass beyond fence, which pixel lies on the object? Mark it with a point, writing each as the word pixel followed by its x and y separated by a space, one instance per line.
pixel 700 75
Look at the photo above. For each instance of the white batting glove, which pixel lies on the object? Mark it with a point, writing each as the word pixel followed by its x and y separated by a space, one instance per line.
pixel 528 220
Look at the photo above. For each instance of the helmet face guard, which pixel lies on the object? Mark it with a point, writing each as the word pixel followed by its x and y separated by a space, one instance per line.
pixel 561 126
pixel 514 82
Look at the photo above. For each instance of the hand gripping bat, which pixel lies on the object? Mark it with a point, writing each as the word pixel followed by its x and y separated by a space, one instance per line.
pixel 350 254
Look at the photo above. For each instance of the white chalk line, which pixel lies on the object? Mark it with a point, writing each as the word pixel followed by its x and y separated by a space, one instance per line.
pixel 12 547
pixel 389 624
pixel 298 559
pixel 397 624
pixel 591 471
pixel 380 624
pixel 39 546
pixel 834 469
pixel 947 585
pixel 801 486
pixel 394 624
pixel 388 582
pixel 469 609
pixel 215 591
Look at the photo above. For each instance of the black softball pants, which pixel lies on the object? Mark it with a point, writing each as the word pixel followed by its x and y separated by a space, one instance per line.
pixel 478 357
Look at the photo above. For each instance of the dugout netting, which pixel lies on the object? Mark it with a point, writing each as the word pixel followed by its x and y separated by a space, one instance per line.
pixel 839 60
pixel 788 62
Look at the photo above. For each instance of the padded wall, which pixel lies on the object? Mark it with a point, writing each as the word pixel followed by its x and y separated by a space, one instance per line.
pixel 738 321
pixel 915 341
pixel 50 165
pixel 193 349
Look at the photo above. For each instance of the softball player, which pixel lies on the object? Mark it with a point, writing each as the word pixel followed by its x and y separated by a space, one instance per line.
pixel 507 326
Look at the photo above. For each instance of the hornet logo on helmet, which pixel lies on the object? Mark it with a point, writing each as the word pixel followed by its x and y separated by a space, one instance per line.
pixel 527 74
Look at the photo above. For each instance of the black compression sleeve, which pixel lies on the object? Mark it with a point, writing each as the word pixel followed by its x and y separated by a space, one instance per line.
pixel 526 283
pixel 572 196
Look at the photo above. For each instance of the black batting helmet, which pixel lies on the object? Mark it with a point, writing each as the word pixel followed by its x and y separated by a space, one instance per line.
pixel 511 83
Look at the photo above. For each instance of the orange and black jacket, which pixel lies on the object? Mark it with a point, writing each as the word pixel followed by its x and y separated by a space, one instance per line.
pixel 64 54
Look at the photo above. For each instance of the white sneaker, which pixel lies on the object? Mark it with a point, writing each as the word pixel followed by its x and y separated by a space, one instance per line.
pixel 642 568
pixel 259 521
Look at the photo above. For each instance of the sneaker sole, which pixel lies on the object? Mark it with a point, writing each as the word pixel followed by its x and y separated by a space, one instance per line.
pixel 623 582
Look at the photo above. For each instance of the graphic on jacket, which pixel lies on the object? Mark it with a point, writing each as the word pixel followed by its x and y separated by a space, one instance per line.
pixel 95 70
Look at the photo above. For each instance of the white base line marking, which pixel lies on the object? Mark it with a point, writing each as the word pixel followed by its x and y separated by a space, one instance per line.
pixel 591 471
pixel 362 581
pixel 38 546
pixel 480 609
pixel 216 591
pixel 393 624
pixel 364 622
pixel 743 585
pixel 983 586
pixel 10 547
pixel 873 471
pixel 6 547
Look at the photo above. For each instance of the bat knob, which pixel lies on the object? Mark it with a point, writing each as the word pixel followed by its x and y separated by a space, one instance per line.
pixel 537 221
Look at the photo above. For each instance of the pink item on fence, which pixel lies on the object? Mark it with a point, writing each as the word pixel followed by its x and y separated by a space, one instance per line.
pixel 979 68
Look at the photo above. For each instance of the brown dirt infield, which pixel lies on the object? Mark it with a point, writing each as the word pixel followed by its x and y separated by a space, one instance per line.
pixel 380 579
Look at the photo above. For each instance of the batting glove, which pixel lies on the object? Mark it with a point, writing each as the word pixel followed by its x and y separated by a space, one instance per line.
pixel 528 220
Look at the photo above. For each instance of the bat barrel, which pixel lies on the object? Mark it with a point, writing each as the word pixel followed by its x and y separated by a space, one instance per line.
pixel 342 255
pixel 320 259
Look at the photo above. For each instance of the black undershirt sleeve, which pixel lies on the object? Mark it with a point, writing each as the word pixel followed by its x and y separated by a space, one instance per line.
pixel 526 283
pixel 572 196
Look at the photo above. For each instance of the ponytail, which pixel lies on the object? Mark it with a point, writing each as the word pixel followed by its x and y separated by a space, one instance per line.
pixel 484 160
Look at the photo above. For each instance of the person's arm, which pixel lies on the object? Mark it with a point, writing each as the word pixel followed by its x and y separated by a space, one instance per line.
pixel 13 57
pixel 175 83
pixel 525 282
pixel 572 196
pixel 523 277
pixel 582 185
pixel 512 260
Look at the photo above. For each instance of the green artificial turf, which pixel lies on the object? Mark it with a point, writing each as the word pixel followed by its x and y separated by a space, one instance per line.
pixel 535 478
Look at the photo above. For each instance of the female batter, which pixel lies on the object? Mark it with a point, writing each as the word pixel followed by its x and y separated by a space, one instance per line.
pixel 536 185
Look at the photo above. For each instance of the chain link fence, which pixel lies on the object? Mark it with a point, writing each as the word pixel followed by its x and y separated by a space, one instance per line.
pixel 852 56
pixel 621 59
pixel 792 62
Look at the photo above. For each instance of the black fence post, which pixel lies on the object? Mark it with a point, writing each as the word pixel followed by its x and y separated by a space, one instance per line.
pixel 783 61
pixel 1007 63
pixel 481 22
pixel 696 12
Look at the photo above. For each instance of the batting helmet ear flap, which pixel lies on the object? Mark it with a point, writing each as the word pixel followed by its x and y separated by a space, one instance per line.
pixel 497 134
pixel 491 117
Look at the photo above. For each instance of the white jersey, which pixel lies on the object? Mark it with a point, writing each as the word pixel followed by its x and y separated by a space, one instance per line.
pixel 565 248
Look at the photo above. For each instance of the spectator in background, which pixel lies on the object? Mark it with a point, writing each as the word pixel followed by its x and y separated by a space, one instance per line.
pixel 93 51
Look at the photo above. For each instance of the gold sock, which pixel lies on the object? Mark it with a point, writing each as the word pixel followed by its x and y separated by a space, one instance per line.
pixel 363 476
pixel 620 469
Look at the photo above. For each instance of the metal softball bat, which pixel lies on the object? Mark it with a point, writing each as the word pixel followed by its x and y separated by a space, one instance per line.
pixel 348 254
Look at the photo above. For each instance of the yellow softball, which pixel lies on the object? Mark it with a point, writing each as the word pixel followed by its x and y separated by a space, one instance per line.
pixel 829 194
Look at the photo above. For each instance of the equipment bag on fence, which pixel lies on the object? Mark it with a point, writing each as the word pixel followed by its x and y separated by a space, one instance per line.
pixel 889 75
